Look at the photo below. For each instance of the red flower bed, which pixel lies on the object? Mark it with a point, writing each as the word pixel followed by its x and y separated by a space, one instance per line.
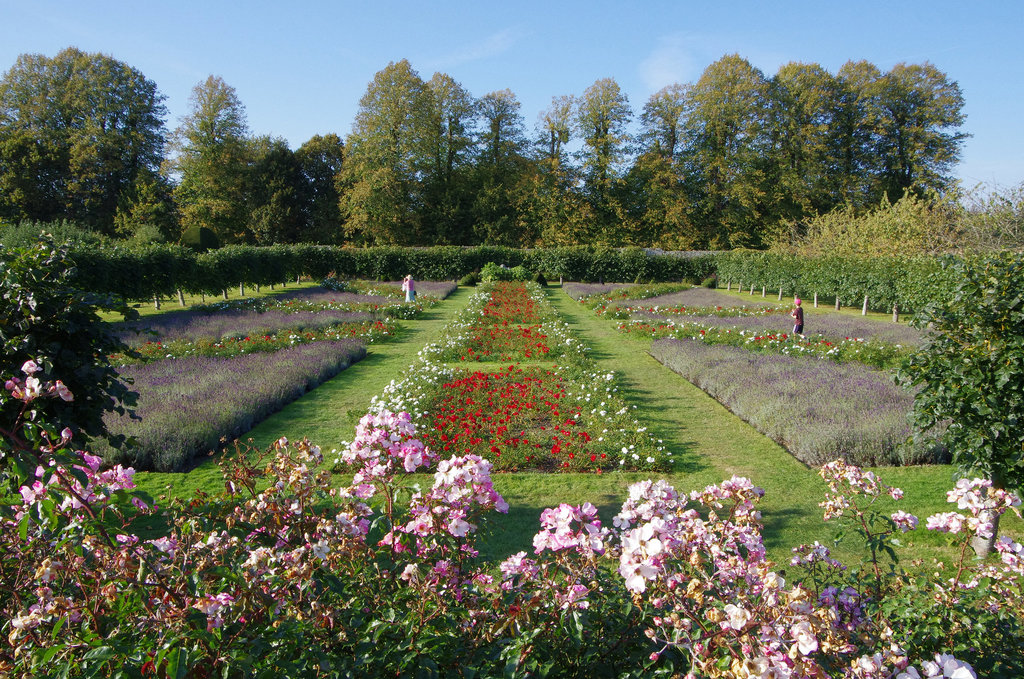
pixel 509 327
pixel 506 342
pixel 510 303
pixel 514 417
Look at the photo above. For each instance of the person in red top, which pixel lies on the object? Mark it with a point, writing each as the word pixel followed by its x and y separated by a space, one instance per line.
pixel 798 317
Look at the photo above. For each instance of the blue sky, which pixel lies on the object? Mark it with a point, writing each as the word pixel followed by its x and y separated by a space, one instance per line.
pixel 301 67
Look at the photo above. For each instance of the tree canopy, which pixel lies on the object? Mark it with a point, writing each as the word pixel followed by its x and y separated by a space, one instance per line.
pixel 79 132
pixel 738 158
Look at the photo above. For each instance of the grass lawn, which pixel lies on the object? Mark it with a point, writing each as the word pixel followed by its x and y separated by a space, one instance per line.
pixel 147 309
pixel 710 443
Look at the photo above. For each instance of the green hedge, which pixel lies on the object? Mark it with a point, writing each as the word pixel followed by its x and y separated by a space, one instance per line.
pixel 145 272
pixel 906 282
pixel 142 273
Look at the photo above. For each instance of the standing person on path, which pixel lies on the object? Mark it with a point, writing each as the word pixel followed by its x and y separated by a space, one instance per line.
pixel 409 287
pixel 798 317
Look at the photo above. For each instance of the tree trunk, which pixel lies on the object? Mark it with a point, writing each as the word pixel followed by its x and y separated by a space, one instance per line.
pixel 983 546
pixel 181 297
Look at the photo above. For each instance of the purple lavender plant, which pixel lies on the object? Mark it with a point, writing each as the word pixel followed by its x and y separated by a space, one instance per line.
pixel 580 290
pixel 832 326
pixel 818 410
pixel 187 406
pixel 706 297
pixel 192 326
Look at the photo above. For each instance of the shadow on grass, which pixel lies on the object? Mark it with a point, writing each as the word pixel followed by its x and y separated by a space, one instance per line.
pixel 573 318
pixel 776 521
pixel 504 536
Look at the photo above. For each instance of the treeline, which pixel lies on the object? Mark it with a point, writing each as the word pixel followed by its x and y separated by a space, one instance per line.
pixel 734 159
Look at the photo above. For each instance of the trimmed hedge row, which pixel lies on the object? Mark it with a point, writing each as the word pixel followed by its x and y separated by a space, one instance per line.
pixel 908 283
pixel 160 270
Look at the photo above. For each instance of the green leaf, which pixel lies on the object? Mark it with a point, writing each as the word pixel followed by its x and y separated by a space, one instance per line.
pixel 178 660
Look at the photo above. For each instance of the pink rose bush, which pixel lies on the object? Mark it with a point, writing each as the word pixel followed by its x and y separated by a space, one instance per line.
pixel 288 574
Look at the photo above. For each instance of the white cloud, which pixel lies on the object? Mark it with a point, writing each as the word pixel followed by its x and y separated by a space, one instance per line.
pixel 671 61
pixel 491 46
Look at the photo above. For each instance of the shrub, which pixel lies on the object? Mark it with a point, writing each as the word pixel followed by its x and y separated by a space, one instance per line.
pixel 499 272
pixel 27 232
pixel 200 239
pixel 539 279
pixel 710 282
pixel 469 280
pixel 971 368
pixel 286 575
pixel 48 323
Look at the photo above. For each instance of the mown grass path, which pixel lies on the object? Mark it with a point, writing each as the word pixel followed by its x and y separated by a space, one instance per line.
pixel 711 443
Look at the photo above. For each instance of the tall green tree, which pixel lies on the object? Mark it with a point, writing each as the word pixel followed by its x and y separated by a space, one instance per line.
pixel 147 212
pixel 77 133
pixel 555 207
pixel 321 159
pixel 918 131
pixel 602 118
pixel 386 159
pixel 854 135
pixel 211 161
pixel 804 99
pixel 502 171
pixel 448 136
pixel 662 120
pixel 276 193
pixel 728 151
pixel 657 191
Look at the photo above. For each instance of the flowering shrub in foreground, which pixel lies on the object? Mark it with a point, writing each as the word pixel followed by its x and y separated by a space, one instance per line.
pixel 289 576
